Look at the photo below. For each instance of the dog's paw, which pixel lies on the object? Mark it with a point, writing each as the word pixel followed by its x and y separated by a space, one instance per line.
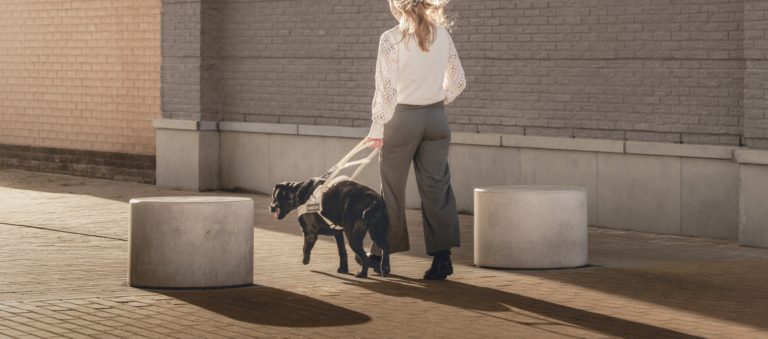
pixel 362 275
pixel 385 272
pixel 342 270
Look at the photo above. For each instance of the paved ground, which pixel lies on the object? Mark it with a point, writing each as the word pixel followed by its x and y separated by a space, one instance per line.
pixel 63 272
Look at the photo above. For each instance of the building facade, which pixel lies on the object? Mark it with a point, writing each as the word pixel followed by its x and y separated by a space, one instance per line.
pixel 659 108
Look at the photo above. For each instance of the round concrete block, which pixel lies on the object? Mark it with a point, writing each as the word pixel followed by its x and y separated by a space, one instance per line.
pixel 530 227
pixel 191 242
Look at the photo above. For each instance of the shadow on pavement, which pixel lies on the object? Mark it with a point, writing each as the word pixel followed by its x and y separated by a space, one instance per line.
pixel 733 290
pixel 269 306
pixel 507 306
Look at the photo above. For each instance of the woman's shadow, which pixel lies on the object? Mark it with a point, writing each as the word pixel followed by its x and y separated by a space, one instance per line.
pixel 508 306
pixel 268 306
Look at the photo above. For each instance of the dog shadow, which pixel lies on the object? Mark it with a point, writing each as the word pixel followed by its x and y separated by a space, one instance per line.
pixel 511 307
pixel 268 306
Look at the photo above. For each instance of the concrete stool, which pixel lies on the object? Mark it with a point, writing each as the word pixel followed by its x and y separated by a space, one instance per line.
pixel 530 227
pixel 191 242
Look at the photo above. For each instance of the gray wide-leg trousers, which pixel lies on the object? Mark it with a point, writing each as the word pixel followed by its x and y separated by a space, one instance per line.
pixel 421 134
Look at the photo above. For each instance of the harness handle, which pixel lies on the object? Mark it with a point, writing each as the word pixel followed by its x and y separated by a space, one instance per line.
pixel 313 204
pixel 344 162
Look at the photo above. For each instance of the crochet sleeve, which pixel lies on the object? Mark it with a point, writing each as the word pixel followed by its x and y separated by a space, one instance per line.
pixel 385 96
pixel 454 82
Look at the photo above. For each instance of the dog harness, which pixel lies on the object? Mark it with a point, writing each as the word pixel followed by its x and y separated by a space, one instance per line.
pixel 315 204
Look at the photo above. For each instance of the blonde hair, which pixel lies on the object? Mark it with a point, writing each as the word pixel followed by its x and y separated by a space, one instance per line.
pixel 420 18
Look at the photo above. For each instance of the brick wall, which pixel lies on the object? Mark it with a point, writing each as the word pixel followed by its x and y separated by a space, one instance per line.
pixel 756 76
pixel 80 74
pixel 95 164
pixel 653 70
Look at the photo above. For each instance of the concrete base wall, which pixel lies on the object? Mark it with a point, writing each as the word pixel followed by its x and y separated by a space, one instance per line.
pixel 247 160
pixel 187 155
pixel 664 188
pixel 753 198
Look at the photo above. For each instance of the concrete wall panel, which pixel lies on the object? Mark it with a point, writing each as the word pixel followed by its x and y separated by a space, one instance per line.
pixel 336 148
pixel 474 166
pixel 640 193
pixel 753 201
pixel 245 162
pixel 568 168
pixel 709 205
pixel 293 158
pixel 178 159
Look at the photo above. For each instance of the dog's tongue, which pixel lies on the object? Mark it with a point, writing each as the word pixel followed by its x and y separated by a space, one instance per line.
pixel 274 215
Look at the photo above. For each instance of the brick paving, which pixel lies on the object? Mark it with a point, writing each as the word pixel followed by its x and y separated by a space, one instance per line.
pixel 63 273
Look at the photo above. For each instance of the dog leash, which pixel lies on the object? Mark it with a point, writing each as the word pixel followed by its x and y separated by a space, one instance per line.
pixel 314 203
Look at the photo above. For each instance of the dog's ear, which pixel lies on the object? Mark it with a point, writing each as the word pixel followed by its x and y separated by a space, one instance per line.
pixel 295 186
pixel 283 184
pixel 277 187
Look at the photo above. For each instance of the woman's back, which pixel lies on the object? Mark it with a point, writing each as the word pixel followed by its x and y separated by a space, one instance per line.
pixel 421 74
pixel 420 68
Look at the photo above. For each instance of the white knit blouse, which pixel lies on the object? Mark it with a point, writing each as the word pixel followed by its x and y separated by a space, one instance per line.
pixel 407 75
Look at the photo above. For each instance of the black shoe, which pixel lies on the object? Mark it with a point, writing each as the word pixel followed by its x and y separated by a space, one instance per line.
pixel 441 267
pixel 374 261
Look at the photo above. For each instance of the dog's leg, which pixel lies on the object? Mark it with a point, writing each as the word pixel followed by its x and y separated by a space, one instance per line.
pixel 380 238
pixel 310 235
pixel 385 261
pixel 377 227
pixel 355 234
pixel 343 267
pixel 355 229
pixel 309 243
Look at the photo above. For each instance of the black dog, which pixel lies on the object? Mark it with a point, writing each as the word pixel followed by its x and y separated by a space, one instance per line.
pixel 354 207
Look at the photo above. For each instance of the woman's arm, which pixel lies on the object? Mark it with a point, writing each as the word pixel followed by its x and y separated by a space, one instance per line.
pixel 385 97
pixel 454 82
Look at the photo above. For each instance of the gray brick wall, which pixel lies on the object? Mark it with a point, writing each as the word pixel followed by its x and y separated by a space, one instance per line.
pixel 756 75
pixel 181 51
pixel 665 70
pixel 190 49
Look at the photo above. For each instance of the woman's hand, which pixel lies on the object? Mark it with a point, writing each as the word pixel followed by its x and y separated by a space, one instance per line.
pixel 377 143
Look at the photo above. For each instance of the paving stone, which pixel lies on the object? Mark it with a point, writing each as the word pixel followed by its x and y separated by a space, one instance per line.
pixel 63 258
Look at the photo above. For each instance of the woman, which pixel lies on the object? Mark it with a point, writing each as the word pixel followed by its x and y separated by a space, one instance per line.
pixel 417 72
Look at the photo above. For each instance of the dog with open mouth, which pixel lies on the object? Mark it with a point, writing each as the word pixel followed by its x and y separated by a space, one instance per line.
pixel 353 208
